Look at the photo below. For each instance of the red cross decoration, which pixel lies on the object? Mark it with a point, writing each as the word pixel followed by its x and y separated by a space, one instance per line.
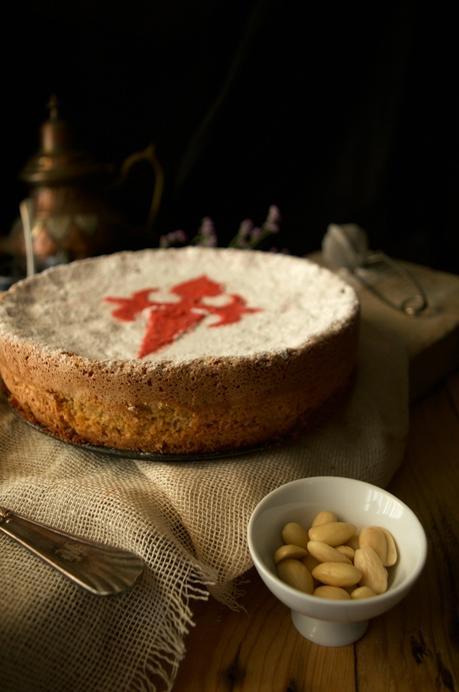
pixel 168 321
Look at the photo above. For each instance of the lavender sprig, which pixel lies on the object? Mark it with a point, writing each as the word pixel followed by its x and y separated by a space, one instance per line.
pixel 249 236
pixel 206 235
pixel 178 237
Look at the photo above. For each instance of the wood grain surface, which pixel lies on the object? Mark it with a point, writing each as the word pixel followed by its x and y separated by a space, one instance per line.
pixel 415 646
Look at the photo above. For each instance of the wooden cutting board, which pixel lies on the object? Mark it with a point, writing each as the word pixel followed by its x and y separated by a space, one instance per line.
pixel 432 339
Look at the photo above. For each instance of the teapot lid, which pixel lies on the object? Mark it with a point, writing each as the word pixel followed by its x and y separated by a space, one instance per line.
pixel 58 161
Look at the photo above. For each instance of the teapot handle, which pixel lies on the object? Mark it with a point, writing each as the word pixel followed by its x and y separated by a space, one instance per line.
pixel 148 154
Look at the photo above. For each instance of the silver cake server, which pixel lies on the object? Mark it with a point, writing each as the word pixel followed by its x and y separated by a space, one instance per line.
pixel 98 568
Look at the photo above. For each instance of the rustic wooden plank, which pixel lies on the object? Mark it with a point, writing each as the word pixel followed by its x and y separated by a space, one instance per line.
pixel 258 651
pixel 415 646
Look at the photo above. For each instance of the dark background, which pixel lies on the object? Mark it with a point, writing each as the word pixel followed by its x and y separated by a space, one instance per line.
pixel 334 112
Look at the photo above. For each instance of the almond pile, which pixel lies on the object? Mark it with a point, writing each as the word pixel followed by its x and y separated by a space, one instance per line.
pixel 332 560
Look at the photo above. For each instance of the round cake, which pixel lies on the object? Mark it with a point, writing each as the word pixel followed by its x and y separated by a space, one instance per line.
pixel 177 350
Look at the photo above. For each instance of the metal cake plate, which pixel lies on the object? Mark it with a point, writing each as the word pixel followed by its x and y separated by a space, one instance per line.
pixel 139 455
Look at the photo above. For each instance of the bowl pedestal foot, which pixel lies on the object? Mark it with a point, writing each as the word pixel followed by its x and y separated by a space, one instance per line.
pixel 328 633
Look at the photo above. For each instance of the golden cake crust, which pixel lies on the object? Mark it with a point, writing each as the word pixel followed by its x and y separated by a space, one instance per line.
pixel 203 404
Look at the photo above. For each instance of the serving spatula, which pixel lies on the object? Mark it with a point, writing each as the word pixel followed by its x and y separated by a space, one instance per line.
pixel 100 569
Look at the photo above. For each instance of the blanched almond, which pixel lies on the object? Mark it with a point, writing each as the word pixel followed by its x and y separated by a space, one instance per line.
pixel 362 592
pixel 294 534
pixel 324 518
pixel 333 560
pixel 374 537
pixel 325 553
pixel 333 533
pixel 337 574
pixel 347 551
pixel 310 562
pixel 334 592
pixel 353 542
pixel 374 574
pixel 392 556
pixel 295 573
pixel 293 552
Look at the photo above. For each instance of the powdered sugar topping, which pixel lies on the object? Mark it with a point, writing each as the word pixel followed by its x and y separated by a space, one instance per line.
pixel 293 301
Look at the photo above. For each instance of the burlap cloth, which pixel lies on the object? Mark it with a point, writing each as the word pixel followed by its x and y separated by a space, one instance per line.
pixel 187 520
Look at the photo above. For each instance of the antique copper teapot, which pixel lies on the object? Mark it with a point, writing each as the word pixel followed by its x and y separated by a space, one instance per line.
pixel 68 214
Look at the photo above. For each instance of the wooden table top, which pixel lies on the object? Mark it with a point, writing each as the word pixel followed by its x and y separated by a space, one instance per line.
pixel 415 646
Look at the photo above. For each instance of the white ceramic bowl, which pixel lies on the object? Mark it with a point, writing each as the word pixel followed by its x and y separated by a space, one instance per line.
pixel 325 621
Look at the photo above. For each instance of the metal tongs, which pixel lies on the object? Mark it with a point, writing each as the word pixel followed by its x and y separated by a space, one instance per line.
pixel 346 247
pixel 98 568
